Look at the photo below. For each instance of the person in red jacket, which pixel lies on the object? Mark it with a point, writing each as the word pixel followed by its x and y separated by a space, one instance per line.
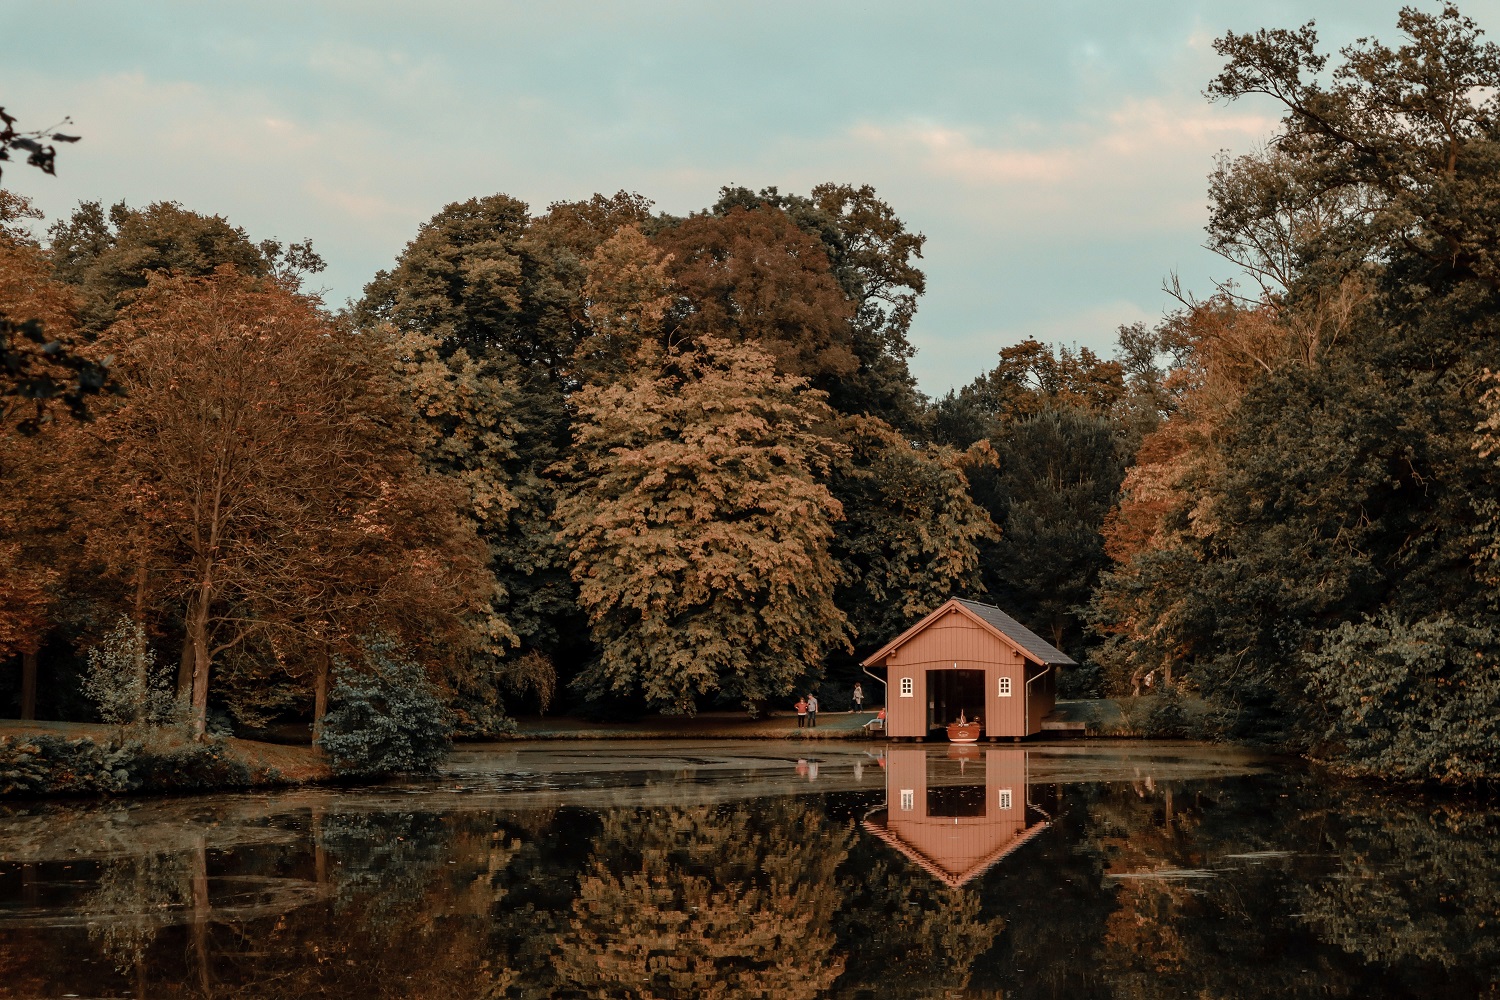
pixel 801 712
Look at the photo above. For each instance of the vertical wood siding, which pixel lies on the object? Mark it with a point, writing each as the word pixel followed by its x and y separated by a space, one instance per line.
pixel 957 846
pixel 957 640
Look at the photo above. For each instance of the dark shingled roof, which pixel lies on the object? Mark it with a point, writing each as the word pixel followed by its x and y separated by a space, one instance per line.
pixel 1022 636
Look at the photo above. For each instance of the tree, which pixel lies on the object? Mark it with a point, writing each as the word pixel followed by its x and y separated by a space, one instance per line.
pixel 627 295
pixel 1031 378
pixel 1411 130
pixel 45 368
pixel 485 309
pixel 387 717
pixel 707 902
pixel 911 534
pixel 872 256
pixel 108 256
pixel 37 145
pixel 242 398
pixel 1057 476
pixel 751 276
pixel 699 529
pixel 123 681
pixel 1317 496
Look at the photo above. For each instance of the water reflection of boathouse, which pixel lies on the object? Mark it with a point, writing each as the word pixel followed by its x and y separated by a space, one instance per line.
pixel 971 660
pixel 956 813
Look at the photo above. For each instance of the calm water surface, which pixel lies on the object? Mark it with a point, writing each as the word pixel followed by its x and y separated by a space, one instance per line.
pixel 763 869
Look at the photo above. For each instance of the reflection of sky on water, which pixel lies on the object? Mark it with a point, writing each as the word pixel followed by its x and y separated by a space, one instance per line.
pixel 661 869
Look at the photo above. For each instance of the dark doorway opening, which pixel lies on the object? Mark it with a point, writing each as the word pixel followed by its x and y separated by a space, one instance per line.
pixel 951 693
pixel 955 785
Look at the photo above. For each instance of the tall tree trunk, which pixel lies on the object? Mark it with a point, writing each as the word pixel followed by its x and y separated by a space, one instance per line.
pixel 198 638
pixel 28 684
pixel 320 690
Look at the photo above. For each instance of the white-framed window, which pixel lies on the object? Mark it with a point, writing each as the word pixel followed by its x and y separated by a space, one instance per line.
pixel 908 687
pixel 1005 799
pixel 908 799
pixel 1005 687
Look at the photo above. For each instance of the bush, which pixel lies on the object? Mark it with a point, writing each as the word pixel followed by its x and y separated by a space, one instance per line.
pixel 55 765
pixel 386 718
pixel 124 682
pixel 1413 701
pixel 1165 718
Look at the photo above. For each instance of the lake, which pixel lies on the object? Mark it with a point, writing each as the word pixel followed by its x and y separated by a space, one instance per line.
pixel 728 869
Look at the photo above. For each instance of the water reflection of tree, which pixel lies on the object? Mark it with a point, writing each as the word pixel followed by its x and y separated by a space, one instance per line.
pixel 135 900
pixel 907 934
pixel 1414 886
pixel 708 901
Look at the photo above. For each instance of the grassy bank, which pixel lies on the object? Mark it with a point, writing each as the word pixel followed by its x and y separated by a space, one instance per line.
pixel 74 758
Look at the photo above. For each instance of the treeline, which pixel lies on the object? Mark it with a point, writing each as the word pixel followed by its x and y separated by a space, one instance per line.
pixel 616 458
pixel 596 454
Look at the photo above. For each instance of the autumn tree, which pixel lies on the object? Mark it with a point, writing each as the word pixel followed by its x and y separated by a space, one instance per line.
pixel 1318 498
pixel 698 527
pixel 253 459
pixel 872 256
pixel 627 296
pixel 46 374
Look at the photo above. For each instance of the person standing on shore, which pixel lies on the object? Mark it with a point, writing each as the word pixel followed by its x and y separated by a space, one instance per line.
pixel 859 698
pixel 801 713
pixel 812 711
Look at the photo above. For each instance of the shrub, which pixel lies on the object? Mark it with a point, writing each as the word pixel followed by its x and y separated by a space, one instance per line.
pixel 1413 701
pixel 1165 715
pixel 1083 681
pixel 55 765
pixel 386 718
pixel 123 680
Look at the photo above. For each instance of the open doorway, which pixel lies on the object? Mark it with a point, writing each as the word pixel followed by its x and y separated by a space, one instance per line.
pixel 951 693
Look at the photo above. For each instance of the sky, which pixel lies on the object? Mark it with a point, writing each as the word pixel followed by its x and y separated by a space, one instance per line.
pixel 1055 155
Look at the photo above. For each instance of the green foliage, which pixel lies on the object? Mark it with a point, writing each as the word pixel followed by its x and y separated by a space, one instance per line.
pixel 1306 541
pixel 700 530
pixel 1413 700
pixel 1058 475
pixel 124 681
pixel 107 255
pixel 1166 717
pixel 386 718
pixel 53 765
pixel 485 309
pixel 911 534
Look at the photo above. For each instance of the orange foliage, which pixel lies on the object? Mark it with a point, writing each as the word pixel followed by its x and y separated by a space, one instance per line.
pixel 30 517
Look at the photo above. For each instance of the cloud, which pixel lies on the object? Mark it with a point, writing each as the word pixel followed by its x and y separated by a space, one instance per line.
pixel 1141 162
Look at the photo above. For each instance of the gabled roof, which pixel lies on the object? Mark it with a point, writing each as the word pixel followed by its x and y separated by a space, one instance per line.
pixel 881 829
pixel 1031 645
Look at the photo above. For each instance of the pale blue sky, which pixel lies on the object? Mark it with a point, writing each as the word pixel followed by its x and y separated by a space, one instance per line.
pixel 1054 155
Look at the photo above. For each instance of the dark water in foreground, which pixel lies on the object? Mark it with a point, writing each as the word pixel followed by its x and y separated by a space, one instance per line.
pixel 725 870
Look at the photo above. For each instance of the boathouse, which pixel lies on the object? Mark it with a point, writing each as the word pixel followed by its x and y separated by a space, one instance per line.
pixel 956 812
pixel 968 660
